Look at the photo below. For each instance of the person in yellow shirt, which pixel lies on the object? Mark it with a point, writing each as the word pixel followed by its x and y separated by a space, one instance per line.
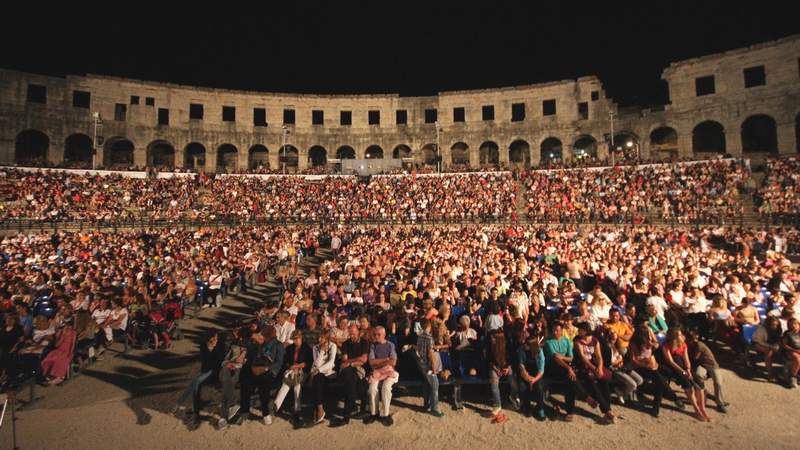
pixel 623 330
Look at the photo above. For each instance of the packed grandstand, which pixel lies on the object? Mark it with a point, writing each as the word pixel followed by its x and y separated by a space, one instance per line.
pixel 603 284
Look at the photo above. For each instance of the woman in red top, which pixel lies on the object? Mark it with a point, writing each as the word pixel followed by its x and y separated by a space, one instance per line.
pixel 678 367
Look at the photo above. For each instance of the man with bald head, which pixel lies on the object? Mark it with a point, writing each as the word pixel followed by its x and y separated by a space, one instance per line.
pixel 382 360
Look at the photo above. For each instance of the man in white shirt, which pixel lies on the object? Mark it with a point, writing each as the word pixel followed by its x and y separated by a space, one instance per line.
pixel 657 300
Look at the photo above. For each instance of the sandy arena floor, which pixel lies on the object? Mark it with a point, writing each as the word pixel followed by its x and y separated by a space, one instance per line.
pixel 123 402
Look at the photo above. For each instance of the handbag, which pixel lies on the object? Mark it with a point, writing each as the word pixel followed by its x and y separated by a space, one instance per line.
pixel 293 377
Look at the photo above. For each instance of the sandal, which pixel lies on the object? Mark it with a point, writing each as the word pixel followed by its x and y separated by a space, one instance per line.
pixel 499 418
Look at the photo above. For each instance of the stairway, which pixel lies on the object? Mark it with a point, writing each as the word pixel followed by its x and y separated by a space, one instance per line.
pixel 522 200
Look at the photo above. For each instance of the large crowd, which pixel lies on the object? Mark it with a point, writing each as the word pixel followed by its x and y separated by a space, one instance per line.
pixel 607 316
pixel 703 192
pixel 779 196
pixel 683 193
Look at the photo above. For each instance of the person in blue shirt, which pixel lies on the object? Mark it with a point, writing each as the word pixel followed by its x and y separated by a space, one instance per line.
pixel 559 371
pixel 531 370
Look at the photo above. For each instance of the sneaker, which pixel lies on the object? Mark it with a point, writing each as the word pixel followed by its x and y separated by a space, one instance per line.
pixel 370 419
pixel 540 415
pixel 336 423
pixel 232 411
pixel 793 383
pixel 268 419
pixel 514 402
pixel 238 419
pixel 387 421
pixel 222 424
pixel 680 403
pixel 193 423
pixel 437 413
pixel 722 408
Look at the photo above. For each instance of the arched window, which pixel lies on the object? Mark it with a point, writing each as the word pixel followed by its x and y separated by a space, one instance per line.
pixel 31 148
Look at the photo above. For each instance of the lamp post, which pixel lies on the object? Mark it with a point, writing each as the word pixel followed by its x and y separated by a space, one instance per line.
pixel 611 118
pixel 438 149
pixel 284 139
pixel 96 122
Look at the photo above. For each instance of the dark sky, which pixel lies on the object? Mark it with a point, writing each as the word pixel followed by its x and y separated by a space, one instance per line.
pixel 382 46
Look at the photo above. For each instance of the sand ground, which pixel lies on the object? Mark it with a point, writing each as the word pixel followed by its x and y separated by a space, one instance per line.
pixel 124 401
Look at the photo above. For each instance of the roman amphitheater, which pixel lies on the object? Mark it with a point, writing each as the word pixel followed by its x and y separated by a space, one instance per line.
pixel 741 102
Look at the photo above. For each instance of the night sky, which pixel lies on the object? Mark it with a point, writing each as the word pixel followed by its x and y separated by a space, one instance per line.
pixel 386 47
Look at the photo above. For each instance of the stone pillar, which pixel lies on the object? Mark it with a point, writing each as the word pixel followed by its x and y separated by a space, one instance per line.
pixel 140 156
pixel 180 157
pixel 7 148
pixel 602 150
pixel 733 140
pixel 447 158
pixel 55 153
pixel 685 144
pixel 787 140
pixel 644 148
pixel 503 153
pixel 243 159
pixel 302 159
pixel 211 160
pixel 274 158
pixel 474 156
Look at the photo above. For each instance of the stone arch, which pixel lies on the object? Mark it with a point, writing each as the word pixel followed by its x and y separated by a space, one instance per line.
pixel 489 154
pixel 161 154
pixel 459 154
pixel 373 152
pixel 317 156
pixel 664 141
pixel 708 136
pixel 290 157
pixel 626 143
pixel 519 153
pixel 78 150
pixel 227 158
pixel 402 151
pixel 118 153
pixel 31 148
pixel 551 150
pixel 258 157
pixel 194 156
pixel 585 146
pixel 759 134
pixel 797 132
pixel 429 156
pixel 346 152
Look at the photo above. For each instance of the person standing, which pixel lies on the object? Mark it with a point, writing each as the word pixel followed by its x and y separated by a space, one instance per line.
pixel 426 359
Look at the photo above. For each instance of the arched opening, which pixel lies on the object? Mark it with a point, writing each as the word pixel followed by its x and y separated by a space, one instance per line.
pixel 258 157
pixel 227 158
pixel 118 153
pixel 708 137
pixel 289 157
pixel 31 148
pixel 78 150
pixel 345 152
pixel 797 132
pixel 459 154
pixel 551 150
pixel 194 157
pixel 161 154
pixel 519 153
pixel 489 154
pixel 373 152
pixel 664 143
pixel 584 147
pixel 429 154
pixel 317 156
pixel 401 151
pixel 626 145
pixel 759 134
